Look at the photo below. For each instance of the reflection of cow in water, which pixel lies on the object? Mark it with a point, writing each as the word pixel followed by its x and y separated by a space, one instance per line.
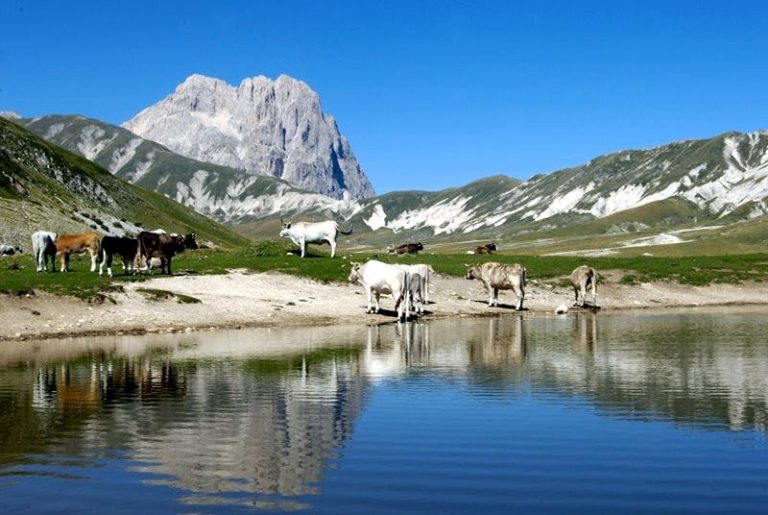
pixel 582 278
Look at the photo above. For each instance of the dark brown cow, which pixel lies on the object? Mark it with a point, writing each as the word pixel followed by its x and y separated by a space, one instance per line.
pixel 488 248
pixel 406 248
pixel 163 246
pixel 112 246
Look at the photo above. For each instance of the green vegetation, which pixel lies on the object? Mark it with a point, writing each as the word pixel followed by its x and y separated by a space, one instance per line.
pixel 17 275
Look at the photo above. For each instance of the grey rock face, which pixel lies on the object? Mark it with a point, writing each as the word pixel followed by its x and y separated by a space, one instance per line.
pixel 262 127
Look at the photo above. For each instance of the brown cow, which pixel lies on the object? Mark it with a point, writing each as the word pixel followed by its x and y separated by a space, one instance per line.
pixel 163 246
pixel 67 244
pixel 488 248
pixel 406 248
pixel 496 276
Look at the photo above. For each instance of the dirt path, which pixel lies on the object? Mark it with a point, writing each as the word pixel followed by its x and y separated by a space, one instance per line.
pixel 272 299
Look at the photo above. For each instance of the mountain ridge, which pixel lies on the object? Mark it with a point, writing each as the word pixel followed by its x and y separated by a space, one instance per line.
pixel 260 127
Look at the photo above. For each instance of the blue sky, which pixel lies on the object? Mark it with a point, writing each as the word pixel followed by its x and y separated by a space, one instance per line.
pixel 430 94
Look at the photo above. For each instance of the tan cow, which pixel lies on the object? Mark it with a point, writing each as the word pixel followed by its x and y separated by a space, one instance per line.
pixel 496 276
pixel 67 244
pixel 581 278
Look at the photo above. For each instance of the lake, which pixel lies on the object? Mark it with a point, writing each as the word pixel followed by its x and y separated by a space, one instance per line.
pixel 642 412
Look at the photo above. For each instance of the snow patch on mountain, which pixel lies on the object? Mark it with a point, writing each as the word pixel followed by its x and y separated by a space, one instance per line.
pixel 444 217
pixel 565 203
pixel 122 155
pixel 378 218
pixel 93 141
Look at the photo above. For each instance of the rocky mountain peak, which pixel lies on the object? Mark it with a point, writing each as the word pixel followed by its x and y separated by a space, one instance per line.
pixel 262 127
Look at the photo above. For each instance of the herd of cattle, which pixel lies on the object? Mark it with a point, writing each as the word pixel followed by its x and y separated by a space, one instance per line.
pixel 408 284
pixel 150 249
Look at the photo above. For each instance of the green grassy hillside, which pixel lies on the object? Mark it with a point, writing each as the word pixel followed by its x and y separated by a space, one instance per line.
pixel 43 186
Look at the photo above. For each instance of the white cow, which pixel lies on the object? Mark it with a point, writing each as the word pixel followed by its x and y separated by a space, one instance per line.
pixel 419 284
pixel 496 276
pixel 302 233
pixel 377 278
pixel 581 278
pixel 44 247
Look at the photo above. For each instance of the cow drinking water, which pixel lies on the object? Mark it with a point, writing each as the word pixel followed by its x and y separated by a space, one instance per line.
pixel 496 276
pixel 303 233
pixel 582 278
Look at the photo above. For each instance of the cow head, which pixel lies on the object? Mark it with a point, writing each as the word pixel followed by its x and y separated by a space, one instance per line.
pixel 491 246
pixel 473 271
pixel 177 243
pixel 284 232
pixel 190 241
pixel 390 249
pixel 419 246
pixel 354 273
pixel 17 249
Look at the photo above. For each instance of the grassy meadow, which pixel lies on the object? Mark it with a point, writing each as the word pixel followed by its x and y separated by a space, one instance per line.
pixel 18 275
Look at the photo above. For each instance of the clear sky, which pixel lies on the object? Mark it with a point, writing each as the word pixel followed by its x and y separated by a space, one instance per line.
pixel 431 94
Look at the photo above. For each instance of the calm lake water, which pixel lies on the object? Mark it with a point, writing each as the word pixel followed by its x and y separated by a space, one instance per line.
pixel 610 413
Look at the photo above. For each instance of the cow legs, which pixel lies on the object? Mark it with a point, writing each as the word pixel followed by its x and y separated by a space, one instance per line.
pixel 94 256
pixel 303 247
pixel 583 291
pixel 594 292
pixel 64 262
pixel 332 243
pixel 369 309
pixel 520 297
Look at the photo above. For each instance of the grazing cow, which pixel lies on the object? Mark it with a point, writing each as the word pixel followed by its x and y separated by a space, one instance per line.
pixel 581 278
pixel 164 246
pixel 419 284
pixel 488 248
pixel 496 276
pixel 44 247
pixel 118 246
pixel 302 233
pixel 406 248
pixel 67 244
pixel 377 278
pixel 9 250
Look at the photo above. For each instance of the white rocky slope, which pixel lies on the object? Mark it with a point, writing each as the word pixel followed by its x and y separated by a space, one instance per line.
pixel 724 175
pixel 262 127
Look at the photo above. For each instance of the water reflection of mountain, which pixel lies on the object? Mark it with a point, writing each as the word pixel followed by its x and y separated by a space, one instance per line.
pixel 263 422
pixel 266 411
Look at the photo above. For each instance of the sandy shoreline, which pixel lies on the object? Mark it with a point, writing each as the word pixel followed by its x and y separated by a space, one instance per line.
pixel 240 300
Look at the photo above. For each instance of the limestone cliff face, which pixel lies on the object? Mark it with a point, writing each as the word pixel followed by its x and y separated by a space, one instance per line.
pixel 262 127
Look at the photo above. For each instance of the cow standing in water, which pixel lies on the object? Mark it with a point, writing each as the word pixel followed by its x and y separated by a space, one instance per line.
pixel 496 276
pixel 303 233
pixel 582 278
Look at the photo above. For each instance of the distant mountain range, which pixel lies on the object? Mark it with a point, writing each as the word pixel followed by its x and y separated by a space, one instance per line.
pixel 720 179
